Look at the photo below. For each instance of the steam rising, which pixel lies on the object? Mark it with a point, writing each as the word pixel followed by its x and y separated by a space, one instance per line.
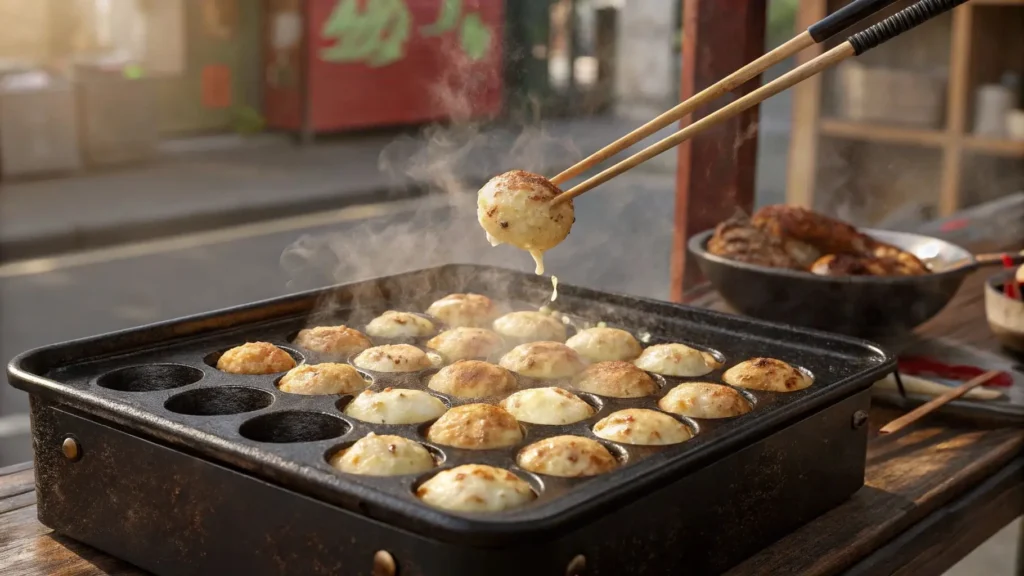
pixel 621 241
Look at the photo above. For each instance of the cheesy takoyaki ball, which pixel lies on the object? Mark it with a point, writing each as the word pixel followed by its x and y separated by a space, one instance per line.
pixel 676 360
pixel 704 400
pixel 473 379
pixel 395 406
pixel 393 358
pixel 336 341
pixel 544 360
pixel 383 455
pixel 326 378
pixel 467 344
pixel 767 374
pixel 515 208
pixel 605 344
pixel 550 405
pixel 470 310
pixel 476 427
pixel 642 427
pixel 475 488
pixel 393 324
pixel 566 456
pixel 255 358
pixel 616 380
pixel 529 326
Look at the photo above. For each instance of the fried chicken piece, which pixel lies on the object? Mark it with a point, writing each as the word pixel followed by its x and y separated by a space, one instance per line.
pixel 795 226
pixel 738 239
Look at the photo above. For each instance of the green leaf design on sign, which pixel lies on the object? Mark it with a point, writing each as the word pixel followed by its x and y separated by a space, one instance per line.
pixel 474 37
pixel 376 36
pixel 446 21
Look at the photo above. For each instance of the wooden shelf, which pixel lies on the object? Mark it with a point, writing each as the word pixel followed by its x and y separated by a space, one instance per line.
pixel 850 130
pixel 977 43
pixel 994 146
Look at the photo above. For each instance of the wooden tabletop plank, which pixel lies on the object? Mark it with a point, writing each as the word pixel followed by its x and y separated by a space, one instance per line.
pixel 947 535
pixel 17 483
pixel 908 476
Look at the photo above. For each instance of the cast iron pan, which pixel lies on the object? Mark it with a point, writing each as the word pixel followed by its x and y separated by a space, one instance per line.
pixel 865 306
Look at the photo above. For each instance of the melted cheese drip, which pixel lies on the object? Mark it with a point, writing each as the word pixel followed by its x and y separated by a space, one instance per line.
pixel 554 288
pixel 538 257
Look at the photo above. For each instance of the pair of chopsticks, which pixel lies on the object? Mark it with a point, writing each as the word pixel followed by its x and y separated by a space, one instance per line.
pixel 900 22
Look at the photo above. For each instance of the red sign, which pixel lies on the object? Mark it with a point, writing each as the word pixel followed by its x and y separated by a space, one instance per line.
pixel 380 62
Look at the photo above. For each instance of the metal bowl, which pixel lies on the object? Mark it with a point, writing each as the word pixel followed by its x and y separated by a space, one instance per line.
pixel 867 306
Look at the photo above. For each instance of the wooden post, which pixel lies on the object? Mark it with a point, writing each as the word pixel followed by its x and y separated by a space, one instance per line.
pixel 716 169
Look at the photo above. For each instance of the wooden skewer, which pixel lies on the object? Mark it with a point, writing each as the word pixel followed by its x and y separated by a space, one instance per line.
pixel 816 33
pixel 795 76
pixel 929 407
pixel 904 20
pixel 685 108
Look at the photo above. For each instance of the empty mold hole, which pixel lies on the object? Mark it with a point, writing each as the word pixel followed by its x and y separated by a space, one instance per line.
pixel 150 377
pixel 219 401
pixel 293 426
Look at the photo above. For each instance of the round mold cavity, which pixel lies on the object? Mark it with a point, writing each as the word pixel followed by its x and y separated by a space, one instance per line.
pixel 366 376
pixel 620 453
pixel 219 401
pixel 150 377
pixel 535 482
pixel 293 426
pixel 436 453
pixel 595 402
pixel 212 358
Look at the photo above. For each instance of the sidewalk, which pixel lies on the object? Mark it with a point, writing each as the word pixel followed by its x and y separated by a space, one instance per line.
pixel 190 190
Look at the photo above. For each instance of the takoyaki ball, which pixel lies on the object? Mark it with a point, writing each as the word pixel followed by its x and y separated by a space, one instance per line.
pixel 543 360
pixel 642 427
pixel 615 379
pixel 547 406
pixel 602 344
pixel 704 400
pixel 467 344
pixel 676 360
pixel 393 358
pixel 516 208
pixel 395 406
pixel 475 488
pixel 336 341
pixel 326 378
pixel 476 427
pixel 767 374
pixel 529 326
pixel 473 379
pixel 395 325
pixel 566 456
pixel 255 358
pixel 465 310
pixel 383 455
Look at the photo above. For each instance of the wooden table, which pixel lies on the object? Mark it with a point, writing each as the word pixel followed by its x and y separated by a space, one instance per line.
pixel 933 493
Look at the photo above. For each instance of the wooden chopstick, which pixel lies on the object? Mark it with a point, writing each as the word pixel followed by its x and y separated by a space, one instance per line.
pixel 818 32
pixel 904 20
pixel 685 108
pixel 795 76
pixel 932 405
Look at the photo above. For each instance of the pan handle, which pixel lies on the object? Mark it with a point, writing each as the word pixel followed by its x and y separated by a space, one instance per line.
pixel 997 259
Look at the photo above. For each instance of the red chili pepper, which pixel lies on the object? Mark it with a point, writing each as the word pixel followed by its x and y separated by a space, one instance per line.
pixel 921 366
pixel 1009 287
